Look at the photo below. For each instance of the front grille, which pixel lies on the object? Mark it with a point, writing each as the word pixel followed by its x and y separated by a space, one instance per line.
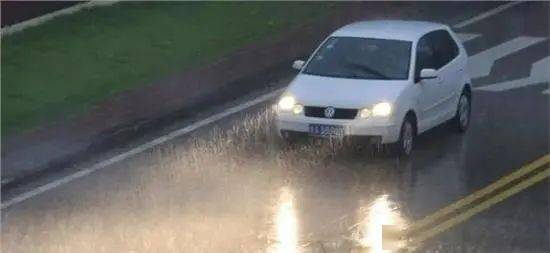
pixel 339 113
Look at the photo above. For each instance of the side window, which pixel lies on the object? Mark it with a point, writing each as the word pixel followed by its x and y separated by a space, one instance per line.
pixel 425 56
pixel 444 46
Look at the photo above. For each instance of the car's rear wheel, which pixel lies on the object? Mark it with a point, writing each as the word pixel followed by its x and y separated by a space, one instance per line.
pixel 404 145
pixel 463 110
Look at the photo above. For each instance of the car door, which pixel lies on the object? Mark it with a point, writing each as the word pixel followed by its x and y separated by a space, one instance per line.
pixel 430 89
pixel 449 72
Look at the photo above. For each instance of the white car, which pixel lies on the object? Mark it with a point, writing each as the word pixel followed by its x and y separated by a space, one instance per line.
pixel 387 81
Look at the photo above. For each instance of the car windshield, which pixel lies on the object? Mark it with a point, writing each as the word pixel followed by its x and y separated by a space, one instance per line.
pixel 361 58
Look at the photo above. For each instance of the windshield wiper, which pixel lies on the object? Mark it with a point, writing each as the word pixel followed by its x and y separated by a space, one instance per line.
pixel 367 69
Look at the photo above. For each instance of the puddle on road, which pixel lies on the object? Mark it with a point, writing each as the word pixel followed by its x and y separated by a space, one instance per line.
pixel 365 236
pixel 286 224
pixel 382 212
pixel 231 191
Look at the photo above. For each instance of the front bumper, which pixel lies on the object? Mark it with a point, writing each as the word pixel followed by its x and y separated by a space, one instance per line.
pixel 383 130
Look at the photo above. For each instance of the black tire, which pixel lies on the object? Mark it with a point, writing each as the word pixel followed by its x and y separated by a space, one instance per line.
pixel 461 120
pixel 407 135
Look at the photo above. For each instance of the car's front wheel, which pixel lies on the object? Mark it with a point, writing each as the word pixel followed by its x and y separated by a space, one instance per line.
pixel 463 110
pixel 404 145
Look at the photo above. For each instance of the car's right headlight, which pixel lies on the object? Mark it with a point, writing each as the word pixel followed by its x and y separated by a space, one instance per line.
pixel 287 103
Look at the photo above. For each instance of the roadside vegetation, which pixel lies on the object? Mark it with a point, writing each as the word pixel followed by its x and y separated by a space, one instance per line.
pixel 62 68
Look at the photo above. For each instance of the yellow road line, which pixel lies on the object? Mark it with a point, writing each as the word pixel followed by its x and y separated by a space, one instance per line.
pixel 441 227
pixel 481 193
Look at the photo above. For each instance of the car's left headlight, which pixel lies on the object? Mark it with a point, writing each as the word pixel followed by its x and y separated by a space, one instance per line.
pixel 365 113
pixel 383 109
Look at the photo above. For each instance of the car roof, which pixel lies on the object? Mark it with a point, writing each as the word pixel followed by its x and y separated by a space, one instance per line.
pixel 389 29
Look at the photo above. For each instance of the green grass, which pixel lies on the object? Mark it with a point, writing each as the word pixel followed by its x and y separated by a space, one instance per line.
pixel 62 68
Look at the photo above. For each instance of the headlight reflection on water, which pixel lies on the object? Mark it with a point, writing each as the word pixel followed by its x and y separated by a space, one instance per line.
pixel 382 212
pixel 286 224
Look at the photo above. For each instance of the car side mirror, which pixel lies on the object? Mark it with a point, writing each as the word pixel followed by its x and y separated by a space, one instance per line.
pixel 428 74
pixel 298 64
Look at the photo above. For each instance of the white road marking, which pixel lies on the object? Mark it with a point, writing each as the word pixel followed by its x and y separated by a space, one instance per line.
pixel 486 14
pixel 47 17
pixel 139 149
pixel 81 173
pixel 480 65
pixel 465 37
pixel 546 92
pixel 540 72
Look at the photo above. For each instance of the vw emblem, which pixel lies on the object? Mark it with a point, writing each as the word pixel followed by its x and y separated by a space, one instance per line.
pixel 329 112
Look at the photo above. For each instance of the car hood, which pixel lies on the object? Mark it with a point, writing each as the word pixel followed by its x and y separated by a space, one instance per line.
pixel 344 92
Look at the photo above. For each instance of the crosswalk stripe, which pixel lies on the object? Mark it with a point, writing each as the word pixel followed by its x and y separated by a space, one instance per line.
pixel 480 65
pixel 465 37
pixel 540 72
pixel 486 14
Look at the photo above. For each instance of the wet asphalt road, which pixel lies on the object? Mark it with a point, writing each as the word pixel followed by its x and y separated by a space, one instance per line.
pixel 231 187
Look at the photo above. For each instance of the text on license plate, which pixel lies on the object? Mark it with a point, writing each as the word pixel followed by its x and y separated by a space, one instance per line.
pixel 326 130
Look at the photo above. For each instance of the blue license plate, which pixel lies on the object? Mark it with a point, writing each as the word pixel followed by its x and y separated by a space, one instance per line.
pixel 326 130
